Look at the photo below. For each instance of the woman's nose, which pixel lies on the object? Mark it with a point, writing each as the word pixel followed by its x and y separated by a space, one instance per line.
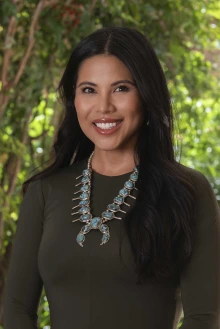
pixel 104 104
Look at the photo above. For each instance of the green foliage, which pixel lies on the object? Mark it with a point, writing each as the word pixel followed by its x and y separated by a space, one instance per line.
pixel 185 36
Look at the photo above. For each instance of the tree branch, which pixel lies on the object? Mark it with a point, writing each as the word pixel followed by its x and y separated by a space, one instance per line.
pixel 7 53
pixel 31 41
pixel 92 6
pixel 50 3
pixel 18 159
pixel 7 47
pixel 11 31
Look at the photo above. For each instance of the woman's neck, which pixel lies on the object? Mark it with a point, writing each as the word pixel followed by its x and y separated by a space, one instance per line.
pixel 112 163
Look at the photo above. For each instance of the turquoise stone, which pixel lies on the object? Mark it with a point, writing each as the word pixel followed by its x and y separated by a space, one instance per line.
pixel 103 228
pixel 124 192
pixel 85 217
pixel 84 210
pixel 113 207
pixel 84 188
pixel 95 222
pixel 84 196
pixel 85 179
pixel 105 237
pixel 84 202
pixel 85 229
pixel 80 238
pixel 119 199
pixel 85 172
pixel 108 214
pixel 129 184
pixel 134 177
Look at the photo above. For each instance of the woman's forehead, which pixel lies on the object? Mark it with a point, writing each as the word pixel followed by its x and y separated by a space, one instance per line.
pixel 103 67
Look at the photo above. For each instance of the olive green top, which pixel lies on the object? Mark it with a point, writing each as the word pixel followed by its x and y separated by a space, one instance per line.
pixel 89 287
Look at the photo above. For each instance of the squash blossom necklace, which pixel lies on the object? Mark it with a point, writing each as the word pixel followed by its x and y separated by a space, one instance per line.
pixel 94 223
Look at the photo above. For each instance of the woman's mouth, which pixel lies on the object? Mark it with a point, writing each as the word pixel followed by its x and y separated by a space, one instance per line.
pixel 107 128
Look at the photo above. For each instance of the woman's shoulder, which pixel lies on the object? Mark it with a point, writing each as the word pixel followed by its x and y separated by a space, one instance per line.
pixel 206 199
pixel 206 204
pixel 198 179
pixel 61 178
pixel 73 170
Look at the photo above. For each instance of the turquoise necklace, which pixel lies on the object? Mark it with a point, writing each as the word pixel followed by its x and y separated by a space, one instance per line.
pixel 86 217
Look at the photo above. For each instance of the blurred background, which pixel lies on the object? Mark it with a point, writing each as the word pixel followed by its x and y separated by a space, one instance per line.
pixel 37 38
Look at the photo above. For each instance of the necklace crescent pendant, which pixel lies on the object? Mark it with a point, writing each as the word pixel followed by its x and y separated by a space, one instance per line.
pixel 94 224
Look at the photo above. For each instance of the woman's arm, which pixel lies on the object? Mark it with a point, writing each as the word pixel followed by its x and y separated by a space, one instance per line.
pixel 23 283
pixel 200 283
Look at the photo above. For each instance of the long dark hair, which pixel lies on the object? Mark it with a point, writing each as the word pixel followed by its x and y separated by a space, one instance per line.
pixel 160 225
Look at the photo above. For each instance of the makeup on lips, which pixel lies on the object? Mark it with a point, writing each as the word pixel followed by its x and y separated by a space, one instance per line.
pixel 107 126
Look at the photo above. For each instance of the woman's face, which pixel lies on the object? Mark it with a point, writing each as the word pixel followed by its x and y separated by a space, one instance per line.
pixel 105 91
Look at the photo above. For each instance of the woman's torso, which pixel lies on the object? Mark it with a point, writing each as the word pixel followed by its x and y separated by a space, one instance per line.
pixel 90 287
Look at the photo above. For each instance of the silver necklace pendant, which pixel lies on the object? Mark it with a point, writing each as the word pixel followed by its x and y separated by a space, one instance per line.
pixel 97 223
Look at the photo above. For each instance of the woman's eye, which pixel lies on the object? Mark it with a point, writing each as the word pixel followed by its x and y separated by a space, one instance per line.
pixel 123 88
pixel 87 90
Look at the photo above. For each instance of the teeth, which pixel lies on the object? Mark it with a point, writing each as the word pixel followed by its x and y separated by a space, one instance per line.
pixel 106 125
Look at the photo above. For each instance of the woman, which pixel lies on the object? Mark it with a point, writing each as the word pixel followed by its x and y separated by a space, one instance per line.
pixel 118 232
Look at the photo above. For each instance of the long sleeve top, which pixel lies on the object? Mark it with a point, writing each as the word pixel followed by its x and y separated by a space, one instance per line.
pixel 89 287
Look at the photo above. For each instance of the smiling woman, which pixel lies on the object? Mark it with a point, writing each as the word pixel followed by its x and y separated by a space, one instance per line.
pixel 108 103
pixel 115 180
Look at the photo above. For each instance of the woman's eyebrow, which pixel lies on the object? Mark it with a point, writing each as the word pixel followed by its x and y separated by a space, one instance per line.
pixel 113 84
